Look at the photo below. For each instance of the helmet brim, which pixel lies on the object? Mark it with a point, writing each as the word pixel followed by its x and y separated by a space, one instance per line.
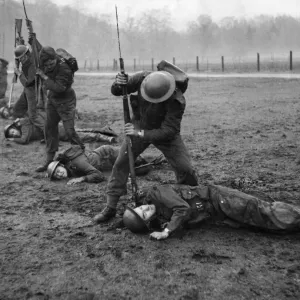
pixel 134 222
pixel 164 97
pixel 20 56
pixel 55 165
pixel 6 129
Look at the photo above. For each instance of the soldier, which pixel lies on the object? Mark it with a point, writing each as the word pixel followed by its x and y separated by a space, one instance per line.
pixel 3 77
pixel 23 131
pixel 158 109
pixel 170 207
pixel 27 102
pixel 89 165
pixel 61 104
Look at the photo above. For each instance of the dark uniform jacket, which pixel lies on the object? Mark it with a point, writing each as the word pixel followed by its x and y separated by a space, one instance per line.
pixel 59 84
pixel 179 205
pixel 89 164
pixel 160 121
pixel 27 77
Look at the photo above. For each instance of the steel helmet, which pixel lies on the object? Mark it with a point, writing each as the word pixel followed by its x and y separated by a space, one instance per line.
pixel 4 112
pixel 20 51
pixel 51 168
pixel 133 221
pixel 158 86
pixel 6 129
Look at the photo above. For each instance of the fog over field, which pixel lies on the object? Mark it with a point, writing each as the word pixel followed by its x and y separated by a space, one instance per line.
pixel 157 29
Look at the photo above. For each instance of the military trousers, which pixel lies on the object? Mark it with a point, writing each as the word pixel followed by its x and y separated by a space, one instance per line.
pixel 174 151
pixel 64 112
pixel 27 105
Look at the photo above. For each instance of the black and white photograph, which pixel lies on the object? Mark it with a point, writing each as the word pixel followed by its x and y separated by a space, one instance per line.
pixel 149 150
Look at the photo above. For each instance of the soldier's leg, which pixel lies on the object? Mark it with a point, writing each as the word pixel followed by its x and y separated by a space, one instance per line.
pixel 66 112
pixel 249 210
pixel 34 117
pixel 51 129
pixel 116 186
pixel 20 107
pixel 51 135
pixel 179 158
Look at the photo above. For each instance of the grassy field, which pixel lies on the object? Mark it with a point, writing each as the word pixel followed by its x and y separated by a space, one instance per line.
pixel 241 133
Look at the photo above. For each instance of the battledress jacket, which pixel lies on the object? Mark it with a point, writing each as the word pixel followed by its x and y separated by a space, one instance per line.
pixel 59 84
pixel 160 121
pixel 179 205
pixel 89 164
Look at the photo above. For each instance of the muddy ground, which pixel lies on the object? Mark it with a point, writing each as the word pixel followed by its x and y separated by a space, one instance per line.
pixel 241 133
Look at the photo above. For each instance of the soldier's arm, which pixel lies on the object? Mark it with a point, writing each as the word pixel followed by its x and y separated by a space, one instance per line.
pixel 28 81
pixel 133 84
pixel 165 195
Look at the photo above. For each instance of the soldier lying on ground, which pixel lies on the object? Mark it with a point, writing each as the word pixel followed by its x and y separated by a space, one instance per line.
pixel 89 165
pixel 174 206
pixel 23 131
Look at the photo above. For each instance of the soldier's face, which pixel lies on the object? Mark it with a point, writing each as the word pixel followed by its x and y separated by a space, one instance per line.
pixel 14 133
pixel 49 65
pixel 145 211
pixel 24 58
pixel 60 173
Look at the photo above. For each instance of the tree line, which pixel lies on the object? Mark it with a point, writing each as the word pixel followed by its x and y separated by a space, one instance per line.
pixel 149 34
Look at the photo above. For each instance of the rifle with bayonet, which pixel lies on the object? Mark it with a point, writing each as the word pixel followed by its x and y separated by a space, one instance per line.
pixel 35 53
pixel 127 119
pixel 18 30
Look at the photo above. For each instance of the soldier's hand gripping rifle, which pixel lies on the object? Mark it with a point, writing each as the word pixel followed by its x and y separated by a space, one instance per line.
pixel 18 40
pixel 127 119
pixel 35 54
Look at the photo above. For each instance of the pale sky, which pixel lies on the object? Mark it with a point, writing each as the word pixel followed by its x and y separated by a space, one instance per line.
pixel 183 11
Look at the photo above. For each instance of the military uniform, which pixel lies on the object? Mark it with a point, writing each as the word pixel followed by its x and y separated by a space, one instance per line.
pixel 30 132
pixel 61 105
pixel 3 77
pixel 179 205
pixel 90 164
pixel 161 124
pixel 27 102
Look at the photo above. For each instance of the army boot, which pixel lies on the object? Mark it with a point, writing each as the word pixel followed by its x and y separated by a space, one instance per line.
pixel 43 168
pixel 106 214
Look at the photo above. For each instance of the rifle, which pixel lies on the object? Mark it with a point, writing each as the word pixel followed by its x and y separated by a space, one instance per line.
pixel 18 29
pixel 127 119
pixel 35 57
pixel 102 131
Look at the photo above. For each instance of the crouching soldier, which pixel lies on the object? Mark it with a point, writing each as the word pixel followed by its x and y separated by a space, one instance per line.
pixel 89 165
pixel 175 206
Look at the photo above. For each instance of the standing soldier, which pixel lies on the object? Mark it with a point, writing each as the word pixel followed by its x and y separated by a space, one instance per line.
pixel 61 104
pixel 27 102
pixel 3 77
pixel 157 108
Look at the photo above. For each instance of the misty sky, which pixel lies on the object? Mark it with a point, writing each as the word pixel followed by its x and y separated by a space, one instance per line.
pixel 184 11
